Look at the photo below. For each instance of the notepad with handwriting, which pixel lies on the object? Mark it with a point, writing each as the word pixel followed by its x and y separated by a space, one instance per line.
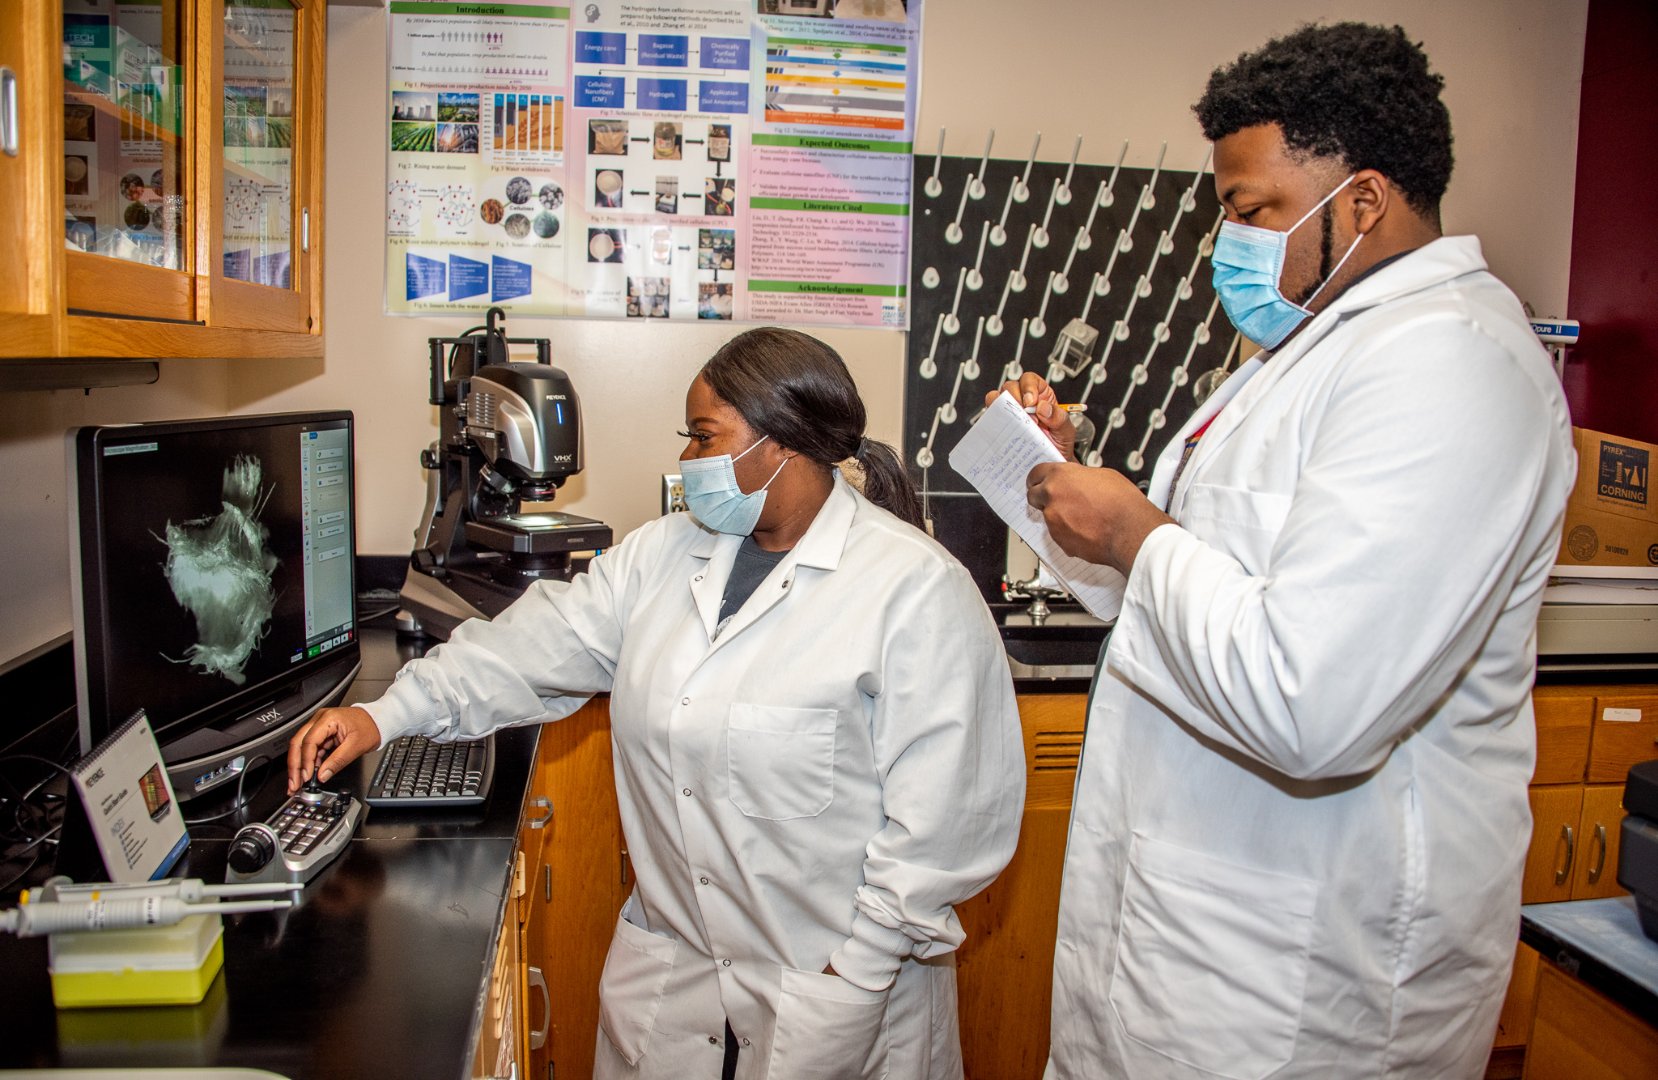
pixel 995 456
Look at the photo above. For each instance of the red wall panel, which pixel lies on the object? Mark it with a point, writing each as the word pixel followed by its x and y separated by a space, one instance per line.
pixel 1612 375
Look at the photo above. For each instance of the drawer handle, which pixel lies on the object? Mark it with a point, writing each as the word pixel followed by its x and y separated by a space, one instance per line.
pixel 538 1036
pixel 1565 870
pixel 1600 855
pixel 8 112
pixel 541 803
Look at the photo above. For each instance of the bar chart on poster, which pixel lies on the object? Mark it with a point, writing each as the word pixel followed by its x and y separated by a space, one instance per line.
pixel 744 160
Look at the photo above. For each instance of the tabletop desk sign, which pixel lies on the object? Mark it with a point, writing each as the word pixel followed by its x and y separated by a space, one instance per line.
pixel 129 803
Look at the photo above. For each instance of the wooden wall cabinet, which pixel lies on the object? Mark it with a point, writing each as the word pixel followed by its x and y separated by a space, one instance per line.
pixel 163 178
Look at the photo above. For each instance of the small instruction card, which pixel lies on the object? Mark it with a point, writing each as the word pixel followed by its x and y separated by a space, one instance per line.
pixel 995 456
pixel 129 803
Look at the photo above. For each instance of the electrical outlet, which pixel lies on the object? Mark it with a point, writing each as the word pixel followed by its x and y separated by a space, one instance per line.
pixel 673 493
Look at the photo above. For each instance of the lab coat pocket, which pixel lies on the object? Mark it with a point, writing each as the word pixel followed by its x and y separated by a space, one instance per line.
pixel 630 990
pixel 1212 960
pixel 780 761
pixel 1244 524
pixel 828 1029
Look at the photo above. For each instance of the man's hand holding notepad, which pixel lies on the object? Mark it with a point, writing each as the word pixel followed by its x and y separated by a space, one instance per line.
pixel 995 456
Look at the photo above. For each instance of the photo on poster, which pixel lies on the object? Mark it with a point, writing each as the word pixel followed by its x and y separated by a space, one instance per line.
pixel 667 194
pixel 667 141
pixel 491 211
pixel 714 300
pixel 551 196
pixel 719 142
pixel 607 188
pixel 457 108
pixel 545 225
pixel 413 138
pixel 81 230
pixel 647 298
pixel 607 137
pixel 719 196
pixel 516 226
pixel 457 138
pixel 77 172
pixel 414 105
pixel 79 122
pixel 716 249
pixel 604 245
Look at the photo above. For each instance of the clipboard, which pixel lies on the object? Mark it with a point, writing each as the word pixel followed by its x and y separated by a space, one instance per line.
pixel 127 803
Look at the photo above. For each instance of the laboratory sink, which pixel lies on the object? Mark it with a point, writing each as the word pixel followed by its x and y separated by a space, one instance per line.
pixel 1064 644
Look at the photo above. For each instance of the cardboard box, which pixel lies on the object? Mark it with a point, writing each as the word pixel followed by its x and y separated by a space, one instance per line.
pixel 1611 518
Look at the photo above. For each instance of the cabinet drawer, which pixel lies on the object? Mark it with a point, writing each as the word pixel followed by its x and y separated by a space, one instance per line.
pixel 1556 819
pixel 1629 737
pixel 1565 715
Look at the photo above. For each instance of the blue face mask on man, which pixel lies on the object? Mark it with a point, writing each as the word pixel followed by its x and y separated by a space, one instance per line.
pixel 714 498
pixel 1248 262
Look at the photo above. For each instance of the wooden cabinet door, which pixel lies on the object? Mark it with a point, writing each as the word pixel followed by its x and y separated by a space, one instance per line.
pixel 1596 872
pixel 578 888
pixel 1556 846
pixel 31 177
pixel 1514 1024
pixel 264 240
pixel 1565 715
pixel 1005 966
pixel 1578 1034
pixel 1626 733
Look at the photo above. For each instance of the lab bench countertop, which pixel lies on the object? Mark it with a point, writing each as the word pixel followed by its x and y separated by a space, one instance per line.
pixel 1601 943
pixel 380 970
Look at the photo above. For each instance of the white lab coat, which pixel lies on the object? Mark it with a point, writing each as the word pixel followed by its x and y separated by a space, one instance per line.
pixel 817 781
pixel 1301 813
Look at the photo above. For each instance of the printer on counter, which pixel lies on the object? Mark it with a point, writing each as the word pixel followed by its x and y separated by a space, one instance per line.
pixel 1638 845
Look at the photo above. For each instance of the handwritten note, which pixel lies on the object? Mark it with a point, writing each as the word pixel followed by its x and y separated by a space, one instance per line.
pixel 995 456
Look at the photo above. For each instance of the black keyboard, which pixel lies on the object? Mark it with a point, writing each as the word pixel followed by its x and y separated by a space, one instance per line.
pixel 414 771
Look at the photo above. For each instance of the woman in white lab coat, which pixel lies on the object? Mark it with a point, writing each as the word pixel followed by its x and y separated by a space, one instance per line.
pixel 810 774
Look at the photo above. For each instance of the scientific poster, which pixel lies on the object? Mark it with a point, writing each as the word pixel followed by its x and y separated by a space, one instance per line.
pixel 744 160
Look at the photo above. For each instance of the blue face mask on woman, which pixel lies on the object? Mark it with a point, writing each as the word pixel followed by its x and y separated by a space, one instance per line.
pixel 1247 264
pixel 713 497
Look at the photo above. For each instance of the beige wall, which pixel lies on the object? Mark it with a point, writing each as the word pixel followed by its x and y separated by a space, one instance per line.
pixel 1106 70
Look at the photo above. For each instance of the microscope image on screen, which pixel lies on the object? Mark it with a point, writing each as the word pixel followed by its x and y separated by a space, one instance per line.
pixel 220 569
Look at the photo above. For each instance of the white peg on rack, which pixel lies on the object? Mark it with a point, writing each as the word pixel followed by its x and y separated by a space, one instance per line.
pixel 1041 235
pixel 1188 201
pixel 928 366
pixel 1146 197
pixel 1021 186
pixel 1087 240
pixel 1107 194
pixel 1062 281
pixel 952 324
pixel 930 277
pixel 1039 325
pixel 1016 280
pixel 924 456
pixel 1016 366
pixel 1064 193
pixel 975 278
pixel 935 187
pixel 998 232
pixel 971 368
pixel 976 186
pixel 952 231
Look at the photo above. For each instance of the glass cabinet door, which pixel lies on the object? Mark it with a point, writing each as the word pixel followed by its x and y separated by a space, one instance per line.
pixel 127 158
pixel 262 174
pixel 259 84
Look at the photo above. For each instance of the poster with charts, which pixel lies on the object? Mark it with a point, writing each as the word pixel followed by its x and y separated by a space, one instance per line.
pixel 742 160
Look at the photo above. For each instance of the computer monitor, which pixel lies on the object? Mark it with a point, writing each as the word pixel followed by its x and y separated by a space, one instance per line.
pixel 213 583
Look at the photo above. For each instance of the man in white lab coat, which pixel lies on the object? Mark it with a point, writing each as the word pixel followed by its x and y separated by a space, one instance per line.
pixel 1301 813
pixel 816 744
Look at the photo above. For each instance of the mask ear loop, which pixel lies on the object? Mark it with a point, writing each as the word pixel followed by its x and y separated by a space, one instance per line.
pixel 1319 206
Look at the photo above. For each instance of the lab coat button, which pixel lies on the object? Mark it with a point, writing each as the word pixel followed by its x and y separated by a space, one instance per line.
pixel 685 701
pixel 725 963
pixel 703 880
pixel 685 791
pixel 745 1042
pixel 713 1040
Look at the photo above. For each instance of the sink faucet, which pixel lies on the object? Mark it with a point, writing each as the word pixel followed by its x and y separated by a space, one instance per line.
pixel 1038 595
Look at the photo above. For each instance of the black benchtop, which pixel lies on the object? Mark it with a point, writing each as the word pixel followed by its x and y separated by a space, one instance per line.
pixel 380 970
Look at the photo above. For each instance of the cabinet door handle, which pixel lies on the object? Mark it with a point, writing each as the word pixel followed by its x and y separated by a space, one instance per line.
pixel 1600 854
pixel 624 866
pixel 541 803
pixel 538 1036
pixel 1565 870
pixel 305 228
pixel 547 881
pixel 8 112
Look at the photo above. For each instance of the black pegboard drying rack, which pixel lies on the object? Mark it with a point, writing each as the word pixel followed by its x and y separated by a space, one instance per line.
pixel 1145 236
